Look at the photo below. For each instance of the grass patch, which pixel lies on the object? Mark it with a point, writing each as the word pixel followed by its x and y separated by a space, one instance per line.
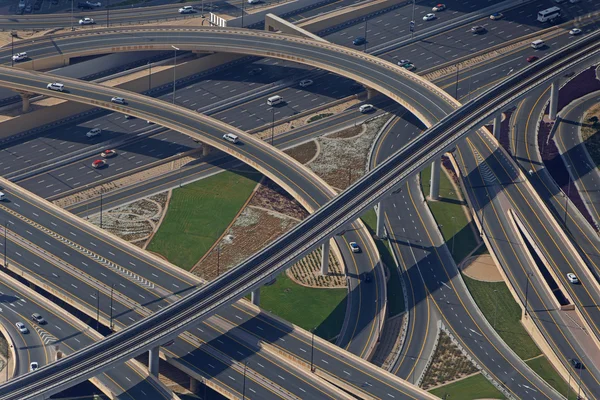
pixel 488 295
pixel 199 213
pixel 543 368
pixel 449 215
pixel 318 117
pixel 395 295
pixel 473 387
pixel 324 310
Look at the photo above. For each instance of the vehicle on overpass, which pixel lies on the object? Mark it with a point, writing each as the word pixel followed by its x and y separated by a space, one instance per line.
pixel 86 21
pixel 19 56
pixel 108 153
pixel 496 16
pixel 186 10
pixel 549 14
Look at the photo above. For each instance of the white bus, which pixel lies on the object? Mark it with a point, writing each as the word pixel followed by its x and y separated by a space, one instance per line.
pixel 548 14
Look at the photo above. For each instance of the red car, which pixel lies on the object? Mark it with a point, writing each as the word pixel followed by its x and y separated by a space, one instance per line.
pixel 108 153
pixel 532 58
pixel 439 7
pixel 98 164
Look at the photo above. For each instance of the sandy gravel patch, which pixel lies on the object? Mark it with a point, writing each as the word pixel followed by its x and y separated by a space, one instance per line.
pixel 271 197
pixel 482 268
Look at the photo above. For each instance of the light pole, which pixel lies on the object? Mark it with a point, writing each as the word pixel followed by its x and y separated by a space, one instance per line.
pixel 101 199
pixel 243 13
pixel 456 84
pixel 365 34
pixel 107 13
pixel 218 258
pixel 312 350
pixel 98 310
pixel 244 385
pixel 454 236
pixel 149 76
pixel 72 29
pixel 112 287
pixel 202 9
pixel 5 242
pixel 527 291
pixel 377 319
pixel 174 67
pixel 568 194
pixel 495 309
pixel 412 21
pixel 272 123
pixel 12 50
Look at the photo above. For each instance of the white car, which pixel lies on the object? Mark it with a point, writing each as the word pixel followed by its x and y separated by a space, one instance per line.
pixel 365 108
pixel 575 31
pixel 572 278
pixel 86 21
pixel 19 56
pixel 94 3
pixel 118 100
pixel 93 132
pixel 21 327
pixel 253 1
pixel 429 17
pixel 56 86
pixel 33 366
pixel 306 82
pixel 354 247
pixel 186 10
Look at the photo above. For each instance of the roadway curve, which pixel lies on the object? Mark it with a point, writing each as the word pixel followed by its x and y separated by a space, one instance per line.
pixel 343 209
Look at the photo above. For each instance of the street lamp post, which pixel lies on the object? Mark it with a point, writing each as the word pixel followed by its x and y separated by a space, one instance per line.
pixel 527 291
pixel 243 13
pixel 568 194
pixel 149 76
pixel 456 84
pixel 107 13
pixel 244 384
pixel 272 123
pixel 112 287
pixel 12 50
pixel 365 34
pixel 312 350
pixel 98 310
pixel 174 69
pixel 412 21
pixel 495 309
pixel 101 200
pixel 5 242
pixel 454 236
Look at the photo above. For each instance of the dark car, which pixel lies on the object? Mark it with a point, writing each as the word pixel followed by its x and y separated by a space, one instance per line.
pixel 255 71
pixel 576 363
pixel 20 10
pixel 28 8
pixel 532 58
pixel 366 277
pixel 359 40
pixel 477 29
pixel 84 6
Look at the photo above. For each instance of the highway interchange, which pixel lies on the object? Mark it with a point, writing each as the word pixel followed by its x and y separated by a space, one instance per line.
pixel 409 246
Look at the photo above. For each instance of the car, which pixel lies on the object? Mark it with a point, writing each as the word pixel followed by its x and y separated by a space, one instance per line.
pixel 354 247
pixel 230 137
pixel 85 6
pixel 366 277
pixel 253 1
pixel 306 82
pixel 532 58
pixel 19 56
pixel 409 66
pixel 127 116
pixel 366 108
pixel 403 62
pixel 572 278
pixel 56 86
pixel 108 153
pixel 186 10
pixel 93 132
pixel 359 40
pixel 576 363
pixel 2 196
pixel 28 8
pixel 496 16
pixel 429 17
pixel 86 21
pixel 575 31
pixel 118 100
pixel 255 71
pixel 21 327
pixel 20 10
pixel 98 164
pixel 33 366
pixel 477 29
pixel 439 7
pixel 94 3
pixel 38 318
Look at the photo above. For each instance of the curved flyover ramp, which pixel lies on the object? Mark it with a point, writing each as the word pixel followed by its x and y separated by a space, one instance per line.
pixel 322 224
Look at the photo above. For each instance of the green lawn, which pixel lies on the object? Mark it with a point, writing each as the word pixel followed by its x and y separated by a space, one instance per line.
pixel 308 308
pixel 199 213
pixel 488 295
pixel 544 369
pixel 395 295
pixel 473 387
pixel 449 214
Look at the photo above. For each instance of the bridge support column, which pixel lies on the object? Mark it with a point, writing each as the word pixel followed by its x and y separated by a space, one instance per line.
pixel 371 92
pixel 255 297
pixel 380 227
pixel 497 125
pixel 25 100
pixel 325 258
pixel 153 360
pixel 206 149
pixel 553 100
pixel 434 188
pixel 194 385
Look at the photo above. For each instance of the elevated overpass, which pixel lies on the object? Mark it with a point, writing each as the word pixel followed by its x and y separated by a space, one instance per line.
pixel 325 222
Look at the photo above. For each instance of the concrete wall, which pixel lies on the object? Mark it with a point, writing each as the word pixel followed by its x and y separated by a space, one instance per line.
pixel 45 115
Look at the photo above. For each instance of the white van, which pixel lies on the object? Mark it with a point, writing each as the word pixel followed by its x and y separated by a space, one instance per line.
pixel 273 100
pixel 93 132
pixel 56 86
pixel 536 44
pixel 2 196
pixel 365 108
pixel 230 137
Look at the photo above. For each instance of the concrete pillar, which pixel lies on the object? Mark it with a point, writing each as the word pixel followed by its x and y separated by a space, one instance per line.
pixel 380 227
pixel 497 125
pixel 153 361
pixel 206 149
pixel 371 92
pixel 325 258
pixel 553 99
pixel 255 297
pixel 194 385
pixel 434 189
pixel 25 99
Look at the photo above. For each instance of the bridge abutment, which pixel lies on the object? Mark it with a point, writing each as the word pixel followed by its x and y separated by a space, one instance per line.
pixel 380 226
pixel 325 258
pixel 255 297
pixel 153 361
pixel 553 100
pixel 434 188
pixel 497 125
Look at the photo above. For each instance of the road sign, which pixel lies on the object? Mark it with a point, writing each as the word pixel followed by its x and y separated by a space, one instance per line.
pixel 412 26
